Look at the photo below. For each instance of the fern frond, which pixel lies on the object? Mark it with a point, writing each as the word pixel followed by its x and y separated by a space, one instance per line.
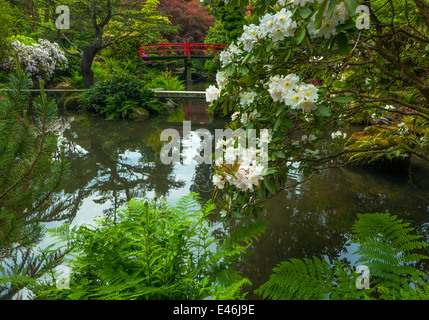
pixel 299 279
pixel 388 249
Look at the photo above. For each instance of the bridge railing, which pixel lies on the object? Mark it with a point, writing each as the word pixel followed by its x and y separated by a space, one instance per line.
pixel 185 48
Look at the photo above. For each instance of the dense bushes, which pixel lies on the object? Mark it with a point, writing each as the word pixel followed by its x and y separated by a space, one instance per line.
pixel 118 95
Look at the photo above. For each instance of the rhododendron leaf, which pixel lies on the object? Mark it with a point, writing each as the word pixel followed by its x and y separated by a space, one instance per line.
pixel 271 187
pixel 351 6
pixel 277 124
pixel 323 110
pixel 269 46
pixel 331 8
pixel 300 36
pixel 342 99
pixel 343 44
pixel 305 12
pixel 319 15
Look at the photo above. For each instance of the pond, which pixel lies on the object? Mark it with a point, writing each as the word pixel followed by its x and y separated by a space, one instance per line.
pixel 112 162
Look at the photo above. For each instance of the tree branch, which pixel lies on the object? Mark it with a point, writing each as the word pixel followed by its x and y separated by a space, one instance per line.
pixel 60 36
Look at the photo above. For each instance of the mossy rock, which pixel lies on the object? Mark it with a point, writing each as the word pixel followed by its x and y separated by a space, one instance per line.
pixel 139 113
pixel 371 140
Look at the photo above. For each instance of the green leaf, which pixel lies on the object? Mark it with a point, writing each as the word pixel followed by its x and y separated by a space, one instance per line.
pixel 277 124
pixel 269 46
pixel 331 8
pixel 343 44
pixel 287 122
pixel 246 57
pixel 342 99
pixel 319 15
pixel 323 110
pixel 205 281
pixel 351 6
pixel 288 52
pixel 280 154
pixel 237 214
pixel 243 69
pixel 270 185
pixel 300 36
pixel 304 12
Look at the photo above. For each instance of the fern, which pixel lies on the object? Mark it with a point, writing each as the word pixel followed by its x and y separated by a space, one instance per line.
pixel 389 250
pixel 386 246
pixel 152 251
pixel 306 279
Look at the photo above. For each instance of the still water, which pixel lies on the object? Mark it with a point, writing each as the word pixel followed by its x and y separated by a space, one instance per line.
pixel 112 162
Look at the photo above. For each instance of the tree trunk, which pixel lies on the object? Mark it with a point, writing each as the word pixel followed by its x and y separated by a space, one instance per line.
pixel 88 54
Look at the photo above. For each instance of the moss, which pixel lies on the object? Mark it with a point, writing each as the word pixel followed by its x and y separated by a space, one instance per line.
pixel 377 147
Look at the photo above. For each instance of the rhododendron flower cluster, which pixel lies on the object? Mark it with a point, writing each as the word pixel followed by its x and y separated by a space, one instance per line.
pixel 289 91
pixel 240 167
pixel 328 27
pixel 39 59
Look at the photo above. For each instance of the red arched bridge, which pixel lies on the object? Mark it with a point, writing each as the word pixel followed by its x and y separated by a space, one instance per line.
pixel 181 51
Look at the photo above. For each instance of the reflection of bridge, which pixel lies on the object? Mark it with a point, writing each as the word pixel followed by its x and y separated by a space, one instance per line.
pixel 196 111
pixel 181 51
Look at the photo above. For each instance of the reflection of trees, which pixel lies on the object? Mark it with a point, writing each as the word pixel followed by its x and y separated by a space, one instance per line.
pixel 115 165
pixel 202 181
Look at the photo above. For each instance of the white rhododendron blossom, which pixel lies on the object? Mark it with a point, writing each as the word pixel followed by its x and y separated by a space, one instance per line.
pixel 303 2
pixel 277 26
pixel 212 93
pixel 246 98
pixel 235 115
pixel 265 137
pixel 39 59
pixel 328 26
pixel 247 163
pixel 221 79
pixel 338 134
pixel 246 117
pixel 289 91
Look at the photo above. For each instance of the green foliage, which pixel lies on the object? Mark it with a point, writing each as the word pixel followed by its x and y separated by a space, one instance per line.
pixel 119 105
pixel 150 251
pixel 166 81
pixel 389 250
pixel 232 18
pixel 386 246
pixel 108 96
pixel 6 22
pixel 100 74
pixel 29 172
pixel 217 34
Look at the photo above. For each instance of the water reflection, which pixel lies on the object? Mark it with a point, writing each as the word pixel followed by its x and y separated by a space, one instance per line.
pixel 114 161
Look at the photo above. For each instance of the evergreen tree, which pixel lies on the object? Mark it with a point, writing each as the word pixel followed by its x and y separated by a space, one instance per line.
pixel 232 18
pixel 30 165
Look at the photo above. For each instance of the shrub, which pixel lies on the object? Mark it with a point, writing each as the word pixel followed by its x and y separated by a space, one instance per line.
pixel 128 89
pixel 39 59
